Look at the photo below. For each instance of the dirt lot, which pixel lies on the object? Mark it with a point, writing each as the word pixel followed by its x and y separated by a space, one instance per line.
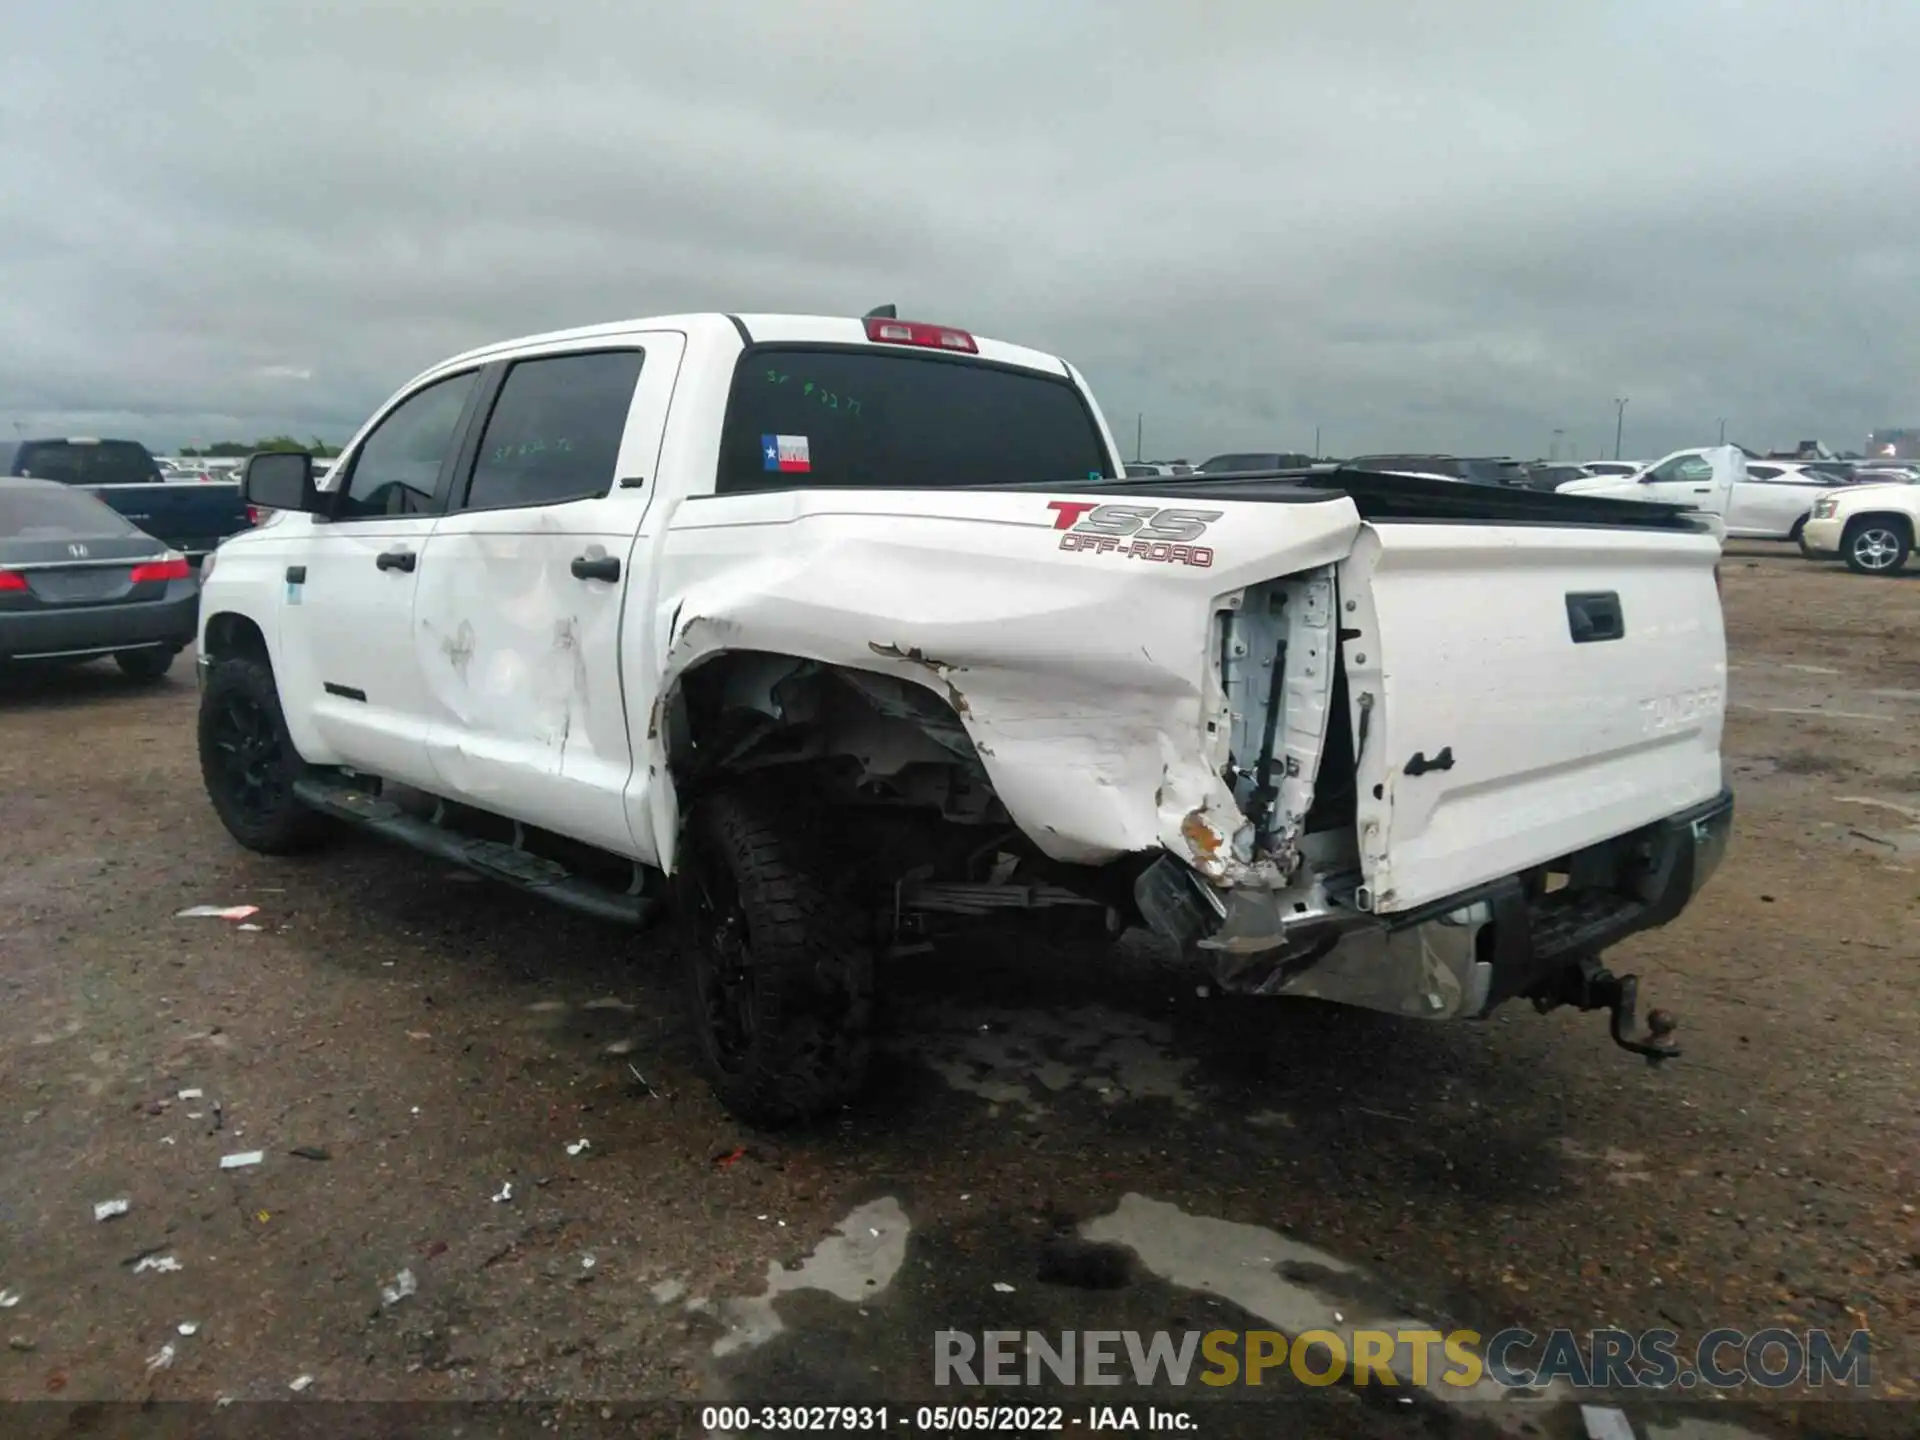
pixel 438 1041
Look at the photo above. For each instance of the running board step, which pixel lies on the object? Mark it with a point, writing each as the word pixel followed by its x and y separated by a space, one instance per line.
pixel 547 879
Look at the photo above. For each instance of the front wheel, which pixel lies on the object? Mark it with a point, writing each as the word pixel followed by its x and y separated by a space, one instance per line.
pixel 248 763
pixel 1876 546
pixel 779 986
pixel 145 665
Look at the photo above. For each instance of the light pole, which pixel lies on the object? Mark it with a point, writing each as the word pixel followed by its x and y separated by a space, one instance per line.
pixel 1723 430
pixel 1139 430
pixel 1316 442
pixel 1619 424
pixel 1554 452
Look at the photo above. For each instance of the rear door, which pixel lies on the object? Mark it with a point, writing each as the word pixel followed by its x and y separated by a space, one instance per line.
pixel 517 621
pixel 1520 692
pixel 1772 499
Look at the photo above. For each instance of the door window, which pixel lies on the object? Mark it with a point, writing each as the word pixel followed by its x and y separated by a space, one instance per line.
pixel 554 434
pixel 397 470
pixel 1682 470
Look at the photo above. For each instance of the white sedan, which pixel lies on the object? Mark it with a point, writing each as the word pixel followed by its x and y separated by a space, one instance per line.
pixel 1869 526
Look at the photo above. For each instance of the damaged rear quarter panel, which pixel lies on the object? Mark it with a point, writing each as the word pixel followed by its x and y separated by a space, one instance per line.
pixel 1083 679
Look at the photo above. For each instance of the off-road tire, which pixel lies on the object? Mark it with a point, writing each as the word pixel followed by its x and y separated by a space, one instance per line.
pixel 783 1021
pixel 1889 555
pixel 144 665
pixel 249 766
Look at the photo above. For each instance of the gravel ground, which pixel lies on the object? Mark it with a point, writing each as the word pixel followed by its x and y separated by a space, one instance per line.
pixel 404 1045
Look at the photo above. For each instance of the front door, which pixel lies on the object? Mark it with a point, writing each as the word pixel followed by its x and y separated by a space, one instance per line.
pixel 517 621
pixel 346 613
pixel 1685 479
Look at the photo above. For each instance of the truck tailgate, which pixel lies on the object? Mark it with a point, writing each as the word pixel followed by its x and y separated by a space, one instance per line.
pixel 1522 691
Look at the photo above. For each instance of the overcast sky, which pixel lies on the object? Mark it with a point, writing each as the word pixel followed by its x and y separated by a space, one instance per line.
pixel 1454 226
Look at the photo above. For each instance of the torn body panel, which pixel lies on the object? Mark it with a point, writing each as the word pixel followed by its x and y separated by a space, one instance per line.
pixel 1082 684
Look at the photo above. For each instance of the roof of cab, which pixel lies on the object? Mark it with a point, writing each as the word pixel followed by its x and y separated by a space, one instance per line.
pixel 773 329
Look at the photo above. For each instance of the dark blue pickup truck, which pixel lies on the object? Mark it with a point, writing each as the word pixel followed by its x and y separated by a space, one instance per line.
pixel 191 516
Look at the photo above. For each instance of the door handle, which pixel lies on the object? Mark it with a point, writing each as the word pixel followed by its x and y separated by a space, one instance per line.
pixel 1703 489
pixel 395 560
pixel 597 567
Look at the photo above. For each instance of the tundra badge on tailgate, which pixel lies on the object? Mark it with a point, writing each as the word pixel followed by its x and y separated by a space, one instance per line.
pixel 1135 532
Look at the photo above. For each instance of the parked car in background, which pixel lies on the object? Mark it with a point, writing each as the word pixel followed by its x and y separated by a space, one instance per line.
pixel 1471 470
pixel 1878 472
pixel 191 518
pixel 1139 469
pixel 1870 526
pixel 1756 499
pixel 1241 462
pixel 79 581
pixel 1551 475
pixel 1612 467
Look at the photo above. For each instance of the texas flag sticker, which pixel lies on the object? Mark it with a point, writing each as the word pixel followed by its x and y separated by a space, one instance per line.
pixel 785 452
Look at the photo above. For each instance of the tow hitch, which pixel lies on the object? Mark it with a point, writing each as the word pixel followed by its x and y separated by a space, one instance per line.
pixel 1594 987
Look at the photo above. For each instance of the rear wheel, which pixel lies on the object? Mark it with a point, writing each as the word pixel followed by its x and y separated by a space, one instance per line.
pixel 1876 545
pixel 248 763
pixel 779 985
pixel 145 664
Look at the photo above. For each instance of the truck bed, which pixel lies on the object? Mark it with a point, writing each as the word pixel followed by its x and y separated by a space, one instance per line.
pixel 1384 497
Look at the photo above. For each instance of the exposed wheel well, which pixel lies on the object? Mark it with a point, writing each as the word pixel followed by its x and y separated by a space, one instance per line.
pixel 866 737
pixel 231 636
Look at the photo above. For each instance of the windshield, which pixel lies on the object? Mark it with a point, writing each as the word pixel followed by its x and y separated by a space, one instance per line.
pixel 33 512
pixel 821 416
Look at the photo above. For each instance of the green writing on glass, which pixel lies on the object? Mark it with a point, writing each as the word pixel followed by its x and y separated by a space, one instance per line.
pixel 819 394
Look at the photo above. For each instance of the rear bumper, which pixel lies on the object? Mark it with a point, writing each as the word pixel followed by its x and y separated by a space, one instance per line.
pixel 1822 537
pixel 102 629
pixel 1531 939
pixel 1459 957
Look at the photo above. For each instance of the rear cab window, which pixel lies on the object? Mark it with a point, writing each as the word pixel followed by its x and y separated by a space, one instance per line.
pixel 87 462
pixel 880 417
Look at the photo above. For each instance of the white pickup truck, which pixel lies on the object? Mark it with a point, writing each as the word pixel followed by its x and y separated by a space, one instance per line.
pixel 838 633
pixel 1758 501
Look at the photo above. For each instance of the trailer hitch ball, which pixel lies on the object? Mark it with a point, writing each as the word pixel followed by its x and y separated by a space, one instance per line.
pixel 1620 997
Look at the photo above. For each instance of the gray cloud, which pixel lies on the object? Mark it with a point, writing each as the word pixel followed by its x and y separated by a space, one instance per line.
pixel 1459 226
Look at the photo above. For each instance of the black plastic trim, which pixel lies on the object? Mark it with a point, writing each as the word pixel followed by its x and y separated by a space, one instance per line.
pixel 345 692
pixel 1397 499
pixel 1594 616
pixel 741 326
pixel 537 876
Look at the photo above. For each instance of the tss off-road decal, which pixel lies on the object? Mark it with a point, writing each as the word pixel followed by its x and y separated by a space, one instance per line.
pixel 1135 532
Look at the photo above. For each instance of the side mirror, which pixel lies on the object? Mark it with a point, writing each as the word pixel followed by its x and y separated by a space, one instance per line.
pixel 281 480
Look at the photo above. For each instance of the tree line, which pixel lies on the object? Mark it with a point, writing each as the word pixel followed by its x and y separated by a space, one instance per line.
pixel 239 449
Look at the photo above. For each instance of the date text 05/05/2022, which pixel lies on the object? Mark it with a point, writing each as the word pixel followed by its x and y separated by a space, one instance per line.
pixel 1135 532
